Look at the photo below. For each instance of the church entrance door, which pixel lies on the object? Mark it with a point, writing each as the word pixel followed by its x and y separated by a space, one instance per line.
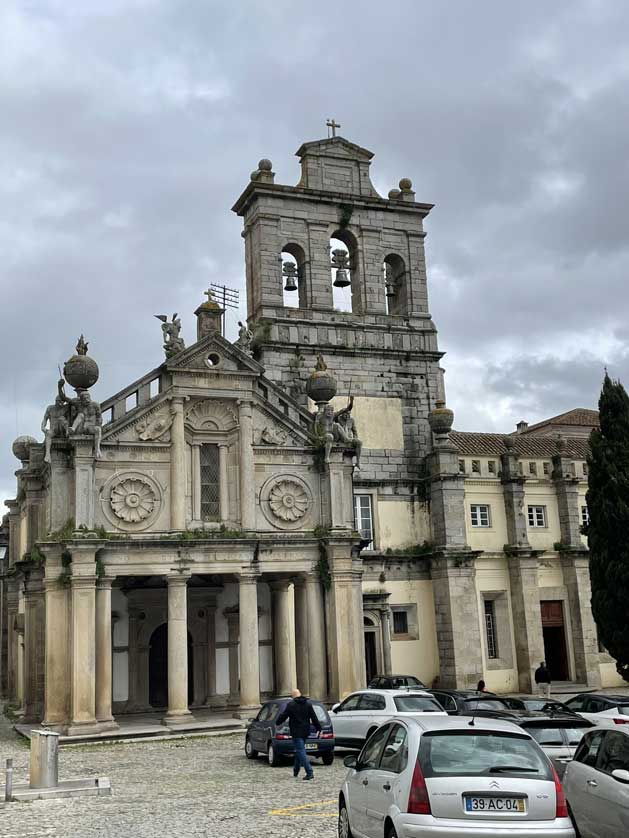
pixel 554 633
pixel 371 650
pixel 158 668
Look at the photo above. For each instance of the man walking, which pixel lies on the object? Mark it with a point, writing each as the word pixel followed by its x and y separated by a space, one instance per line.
pixel 300 713
pixel 542 679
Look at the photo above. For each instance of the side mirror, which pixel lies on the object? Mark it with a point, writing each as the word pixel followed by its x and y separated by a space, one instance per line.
pixel 350 761
pixel 335 708
pixel 621 774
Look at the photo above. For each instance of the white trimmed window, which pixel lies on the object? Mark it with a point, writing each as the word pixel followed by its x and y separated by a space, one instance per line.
pixel 363 517
pixel 479 513
pixel 585 516
pixel 537 516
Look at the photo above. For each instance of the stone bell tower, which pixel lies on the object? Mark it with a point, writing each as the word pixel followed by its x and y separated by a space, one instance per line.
pixel 385 349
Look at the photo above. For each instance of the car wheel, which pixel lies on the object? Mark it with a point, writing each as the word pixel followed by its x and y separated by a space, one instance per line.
pixel 274 759
pixel 391 833
pixel 328 759
pixel 344 827
pixel 250 751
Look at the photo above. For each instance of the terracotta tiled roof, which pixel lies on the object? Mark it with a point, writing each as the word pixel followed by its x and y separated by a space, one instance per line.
pixel 580 416
pixel 492 445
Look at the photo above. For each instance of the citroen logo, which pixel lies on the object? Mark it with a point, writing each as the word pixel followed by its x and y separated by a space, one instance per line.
pixel 494 785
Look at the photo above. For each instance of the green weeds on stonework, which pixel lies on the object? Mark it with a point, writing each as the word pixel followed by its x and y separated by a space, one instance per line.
pixel 34 555
pixel 413 550
pixel 200 533
pixel 345 215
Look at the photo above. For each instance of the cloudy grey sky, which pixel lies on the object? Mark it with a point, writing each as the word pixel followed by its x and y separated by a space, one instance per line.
pixel 129 127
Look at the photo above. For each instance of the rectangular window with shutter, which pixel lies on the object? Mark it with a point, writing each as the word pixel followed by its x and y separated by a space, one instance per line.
pixel 363 515
pixel 210 492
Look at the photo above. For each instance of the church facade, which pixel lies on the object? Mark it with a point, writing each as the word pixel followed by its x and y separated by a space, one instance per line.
pixel 292 508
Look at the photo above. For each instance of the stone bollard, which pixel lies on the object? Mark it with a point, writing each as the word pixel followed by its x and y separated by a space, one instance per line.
pixel 44 759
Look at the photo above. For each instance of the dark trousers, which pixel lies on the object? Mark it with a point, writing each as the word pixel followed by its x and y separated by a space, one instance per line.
pixel 301 758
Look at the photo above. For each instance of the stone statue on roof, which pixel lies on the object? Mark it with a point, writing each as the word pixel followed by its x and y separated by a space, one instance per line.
pixel 173 343
pixel 56 421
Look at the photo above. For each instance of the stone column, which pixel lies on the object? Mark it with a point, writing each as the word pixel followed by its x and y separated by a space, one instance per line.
pixel 247 482
pixel 104 715
pixel 302 650
pixel 211 655
pixel 316 656
pixel 282 636
pixel 196 481
pixel 527 618
pixel 513 493
pixel 447 496
pixel 576 576
pixel 457 619
pixel 233 629
pixel 249 646
pixel 177 467
pixel 34 646
pixel 83 654
pixel 84 481
pixel 223 482
pixel 385 622
pixel 178 712
pixel 12 640
pixel 57 646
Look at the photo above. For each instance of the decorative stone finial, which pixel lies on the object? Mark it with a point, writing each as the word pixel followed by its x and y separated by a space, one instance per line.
pixel 265 165
pixel 509 442
pixel 406 184
pixel 441 419
pixel 21 447
pixel 394 194
pixel 321 386
pixel 562 445
pixel 81 371
pixel 264 172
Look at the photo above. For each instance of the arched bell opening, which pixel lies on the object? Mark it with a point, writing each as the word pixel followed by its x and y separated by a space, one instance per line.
pixel 344 271
pixel 394 273
pixel 294 290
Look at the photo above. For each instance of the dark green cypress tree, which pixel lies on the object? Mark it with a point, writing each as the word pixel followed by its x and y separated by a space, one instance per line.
pixel 608 528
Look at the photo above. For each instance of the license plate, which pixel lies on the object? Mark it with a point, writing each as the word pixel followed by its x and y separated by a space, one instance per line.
pixel 311 746
pixel 494 804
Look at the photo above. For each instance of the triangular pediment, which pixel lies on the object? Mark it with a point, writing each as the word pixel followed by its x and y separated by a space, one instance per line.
pixel 335 147
pixel 214 354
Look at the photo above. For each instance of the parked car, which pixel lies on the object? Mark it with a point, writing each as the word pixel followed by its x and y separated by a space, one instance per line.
pixel 395 682
pixel 428 776
pixel 264 736
pixel 558 734
pixel 463 702
pixel 356 718
pixel 597 783
pixel 601 708
pixel 541 704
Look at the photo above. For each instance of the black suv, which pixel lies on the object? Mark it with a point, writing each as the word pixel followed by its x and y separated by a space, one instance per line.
pixel 395 682
pixel 468 702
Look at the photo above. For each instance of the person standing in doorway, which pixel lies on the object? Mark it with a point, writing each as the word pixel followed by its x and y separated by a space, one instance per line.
pixel 300 713
pixel 542 679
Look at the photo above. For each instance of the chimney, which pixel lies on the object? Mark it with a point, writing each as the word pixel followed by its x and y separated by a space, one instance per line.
pixel 522 426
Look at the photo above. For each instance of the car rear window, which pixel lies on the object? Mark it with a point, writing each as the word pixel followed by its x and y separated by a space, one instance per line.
pixel 416 703
pixel 624 709
pixel 473 753
pixel 321 714
pixel 485 704
pixel 575 734
pixel 547 735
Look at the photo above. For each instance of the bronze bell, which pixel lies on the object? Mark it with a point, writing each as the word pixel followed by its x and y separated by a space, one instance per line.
pixel 389 289
pixel 289 269
pixel 339 261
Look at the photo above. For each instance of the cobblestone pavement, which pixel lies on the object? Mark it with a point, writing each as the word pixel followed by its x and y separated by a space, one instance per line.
pixel 187 787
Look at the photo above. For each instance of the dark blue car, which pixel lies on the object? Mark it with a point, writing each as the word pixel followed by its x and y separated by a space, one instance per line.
pixel 264 736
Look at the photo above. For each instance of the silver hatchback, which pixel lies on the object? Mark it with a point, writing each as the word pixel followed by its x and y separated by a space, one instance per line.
pixel 423 777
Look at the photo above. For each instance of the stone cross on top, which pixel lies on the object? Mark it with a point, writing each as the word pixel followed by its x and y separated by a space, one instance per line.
pixel 332 125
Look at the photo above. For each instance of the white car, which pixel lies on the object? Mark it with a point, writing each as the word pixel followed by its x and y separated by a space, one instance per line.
pixel 601 708
pixel 596 783
pixel 434 777
pixel 355 718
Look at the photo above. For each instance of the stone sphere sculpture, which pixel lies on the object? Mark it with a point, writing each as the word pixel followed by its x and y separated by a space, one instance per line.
pixel 21 446
pixel 394 194
pixel 441 419
pixel 321 386
pixel 80 371
pixel 265 165
pixel 406 184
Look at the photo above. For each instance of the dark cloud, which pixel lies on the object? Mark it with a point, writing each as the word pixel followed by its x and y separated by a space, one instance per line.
pixel 129 128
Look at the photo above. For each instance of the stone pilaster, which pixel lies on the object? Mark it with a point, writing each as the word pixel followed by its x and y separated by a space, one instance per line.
pixel 104 715
pixel 178 712
pixel 282 637
pixel 211 654
pixel 345 622
pixel 177 466
pixel 196 481
pixel 513 494
pixel 385 624
pixel 576 575
pixel 13 596
pixel 233 633
pixel 84 481
pixel 301 636
pixel 529 641
pixel 34 627
pixel 249 646
pixel 457 619
pixel 223 482
pixel 567 489
pixel 247 481
pixel 447 496
pixel 83 642
pixel 57 643
pixel 316 653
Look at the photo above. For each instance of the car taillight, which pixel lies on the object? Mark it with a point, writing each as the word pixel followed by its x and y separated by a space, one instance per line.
pixel 561 810
pixel 621 721
pixel 418 802
pixel 326 736
pixel 283 736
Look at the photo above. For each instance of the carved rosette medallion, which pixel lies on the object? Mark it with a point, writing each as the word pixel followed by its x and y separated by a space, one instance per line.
pixel 132 500
pixel 288 500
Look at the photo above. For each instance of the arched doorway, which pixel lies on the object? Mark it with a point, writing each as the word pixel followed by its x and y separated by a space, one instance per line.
pixel 158 668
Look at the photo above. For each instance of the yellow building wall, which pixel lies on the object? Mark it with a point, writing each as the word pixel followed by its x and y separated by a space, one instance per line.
pixel 609 676
pixel 542 494
pixel 550 572
pixel 378 421
pixel 493 537
pixel 414 657
pixel 401 524
pixel 492 574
